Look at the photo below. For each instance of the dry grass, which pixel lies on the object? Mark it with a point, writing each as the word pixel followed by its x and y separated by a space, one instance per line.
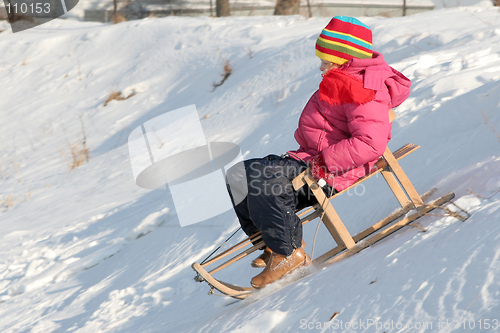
pixel 117 18
pixel 16 168
pixel 116 95
pixel 487 123
pixel 280 84
pixel 14 200
pixel 334 315
pixel 28 195
pixel 9 167
pixel 482 197
pixel 79 154
pixel 227 71
pixel 10 202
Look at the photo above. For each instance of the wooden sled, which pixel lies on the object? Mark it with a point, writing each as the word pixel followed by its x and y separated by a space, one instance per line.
pixel 347 245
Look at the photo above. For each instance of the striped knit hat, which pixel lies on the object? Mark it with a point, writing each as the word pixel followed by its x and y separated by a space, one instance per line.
pixel 344 38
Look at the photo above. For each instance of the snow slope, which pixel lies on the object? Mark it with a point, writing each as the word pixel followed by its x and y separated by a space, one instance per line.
pixel 87 250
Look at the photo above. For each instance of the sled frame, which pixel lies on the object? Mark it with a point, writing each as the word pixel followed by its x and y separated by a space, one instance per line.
pixel 347 245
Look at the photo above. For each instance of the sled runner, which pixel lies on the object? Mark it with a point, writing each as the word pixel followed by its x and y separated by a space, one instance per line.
pixel 347 244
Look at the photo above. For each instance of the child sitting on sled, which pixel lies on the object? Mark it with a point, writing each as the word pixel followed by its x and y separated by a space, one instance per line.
pixel 343 130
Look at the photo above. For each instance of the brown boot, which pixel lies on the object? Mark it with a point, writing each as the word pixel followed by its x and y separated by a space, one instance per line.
pixel 261 261
pixel 280 265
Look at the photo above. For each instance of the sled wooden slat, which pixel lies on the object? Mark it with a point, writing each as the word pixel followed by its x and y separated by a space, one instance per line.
pixel 395 187
pixel 238 257
pixel 252 249
pixel 310 217
pixel 299 181
pixel 374 228
pixel 382 223
pixel 402 178
pixel 331 219
pixel 235 248
pixel 258 236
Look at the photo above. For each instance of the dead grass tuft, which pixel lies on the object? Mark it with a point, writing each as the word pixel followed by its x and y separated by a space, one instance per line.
pixel 487 123
pixel 14 200
pixel 117 18
pixel 116 95
pixel 78 151
pixel 9 202
pixel 79 154
pixel 28 195
pixel 482 197
pixel 334 315
pixel 227 71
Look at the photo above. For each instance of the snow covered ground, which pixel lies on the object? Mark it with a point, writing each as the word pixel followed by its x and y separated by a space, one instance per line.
pixel 86 250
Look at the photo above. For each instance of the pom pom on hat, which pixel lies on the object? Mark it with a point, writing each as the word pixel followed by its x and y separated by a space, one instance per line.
pixel 344 38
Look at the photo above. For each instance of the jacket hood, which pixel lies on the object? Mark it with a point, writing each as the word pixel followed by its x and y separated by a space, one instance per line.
pixel 377 75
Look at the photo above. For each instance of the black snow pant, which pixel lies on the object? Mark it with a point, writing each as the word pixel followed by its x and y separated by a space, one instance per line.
pixel 271 202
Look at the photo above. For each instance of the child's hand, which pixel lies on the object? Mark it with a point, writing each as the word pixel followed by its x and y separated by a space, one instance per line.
pixel 319 171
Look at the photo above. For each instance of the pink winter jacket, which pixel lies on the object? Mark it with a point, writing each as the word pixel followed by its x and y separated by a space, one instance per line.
pixel 350 136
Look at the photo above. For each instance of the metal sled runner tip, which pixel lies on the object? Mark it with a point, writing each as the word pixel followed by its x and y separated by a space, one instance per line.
pixel 225 288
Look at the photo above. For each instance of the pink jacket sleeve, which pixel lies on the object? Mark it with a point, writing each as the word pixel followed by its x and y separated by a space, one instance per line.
pixel 370 131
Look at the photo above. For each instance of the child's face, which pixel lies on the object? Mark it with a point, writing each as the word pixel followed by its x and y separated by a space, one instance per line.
pixel 326 65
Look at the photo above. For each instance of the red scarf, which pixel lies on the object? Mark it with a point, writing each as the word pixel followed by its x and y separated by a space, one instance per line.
pixel 338 88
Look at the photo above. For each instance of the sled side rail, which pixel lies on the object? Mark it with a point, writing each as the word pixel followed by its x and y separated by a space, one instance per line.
pixel 334 256
pixel 383 223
